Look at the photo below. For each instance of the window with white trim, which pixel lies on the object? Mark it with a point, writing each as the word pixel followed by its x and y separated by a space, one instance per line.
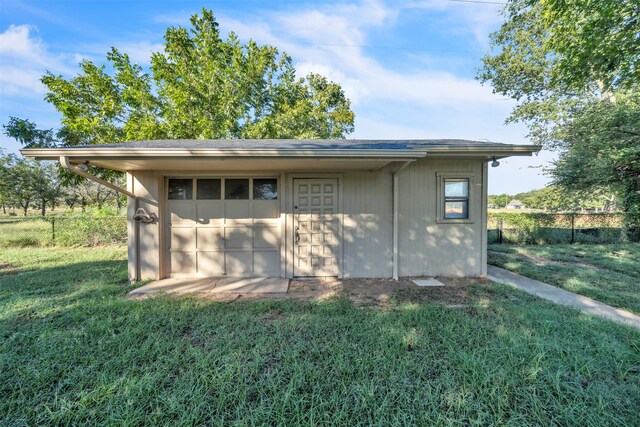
pixel 456 198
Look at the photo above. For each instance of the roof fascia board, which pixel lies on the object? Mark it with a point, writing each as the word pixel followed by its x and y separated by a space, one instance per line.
pixel 477 149
pixel 52 153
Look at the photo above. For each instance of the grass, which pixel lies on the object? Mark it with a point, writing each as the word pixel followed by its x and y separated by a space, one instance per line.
pixel 607 273
pixel 62 231
pixel 20 232
pixel 75 351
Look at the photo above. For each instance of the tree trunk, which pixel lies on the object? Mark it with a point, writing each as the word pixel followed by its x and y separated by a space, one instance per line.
pixel 26 207
pixel 43 210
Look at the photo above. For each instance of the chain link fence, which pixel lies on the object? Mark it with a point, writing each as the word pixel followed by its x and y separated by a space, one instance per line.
pixel 508 228
pixel 550 228
pixel 63 231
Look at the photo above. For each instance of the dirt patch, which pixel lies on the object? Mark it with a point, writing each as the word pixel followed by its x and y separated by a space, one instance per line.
pixel 189 334
pixel 377 293
pixel 7 269
pixel 455 293
pixel 381 293
pixel 272 315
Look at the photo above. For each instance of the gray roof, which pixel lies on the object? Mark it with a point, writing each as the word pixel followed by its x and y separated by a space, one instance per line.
pixel 314 144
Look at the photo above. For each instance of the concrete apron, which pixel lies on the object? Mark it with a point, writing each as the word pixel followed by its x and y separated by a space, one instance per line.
pixel 235 285
pixel 562 297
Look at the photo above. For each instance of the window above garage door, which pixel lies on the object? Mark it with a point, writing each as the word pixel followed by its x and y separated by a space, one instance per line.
pixel 216 188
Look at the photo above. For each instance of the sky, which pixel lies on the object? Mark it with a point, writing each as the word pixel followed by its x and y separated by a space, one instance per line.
pixel 408 66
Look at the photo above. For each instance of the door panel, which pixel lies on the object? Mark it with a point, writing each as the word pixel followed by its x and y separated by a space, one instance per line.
pixel 316 241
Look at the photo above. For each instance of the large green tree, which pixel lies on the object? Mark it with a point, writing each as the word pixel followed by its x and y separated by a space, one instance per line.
pixel 574 69
pixel 201 86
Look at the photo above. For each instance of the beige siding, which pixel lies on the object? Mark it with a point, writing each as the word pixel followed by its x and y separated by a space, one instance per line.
pixel 426 247
pixel 148 187
pixel 367 231
pixel 429 248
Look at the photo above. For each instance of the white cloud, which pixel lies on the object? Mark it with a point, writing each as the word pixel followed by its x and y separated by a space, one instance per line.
pixel 479 18
pixel 140 52
pixel 25 59
pixel 312 38
pixel 17 80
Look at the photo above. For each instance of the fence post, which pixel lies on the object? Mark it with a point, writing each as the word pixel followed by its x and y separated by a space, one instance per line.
pixel 53 230
pixel 500 231
pixel 573 228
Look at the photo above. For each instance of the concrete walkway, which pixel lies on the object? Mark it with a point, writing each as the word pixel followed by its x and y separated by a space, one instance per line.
pixel 213 285
pixel 562 297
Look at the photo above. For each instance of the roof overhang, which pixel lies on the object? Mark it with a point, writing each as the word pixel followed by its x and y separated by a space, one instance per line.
pixel 153 158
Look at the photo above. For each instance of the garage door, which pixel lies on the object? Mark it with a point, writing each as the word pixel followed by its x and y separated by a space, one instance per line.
pixel 223 227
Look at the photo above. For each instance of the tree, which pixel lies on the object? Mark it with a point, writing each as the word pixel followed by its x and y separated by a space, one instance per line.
pixel 25 182
pixel 568 65
pixel 200 87
pixel 594 41
pixel 603 149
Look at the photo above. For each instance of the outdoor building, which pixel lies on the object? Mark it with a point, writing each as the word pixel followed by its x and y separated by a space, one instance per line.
pixel 299 208
pixel 515 204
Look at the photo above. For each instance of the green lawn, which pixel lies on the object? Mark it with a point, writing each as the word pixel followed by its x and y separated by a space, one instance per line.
pixel 607 273
pixel 74 351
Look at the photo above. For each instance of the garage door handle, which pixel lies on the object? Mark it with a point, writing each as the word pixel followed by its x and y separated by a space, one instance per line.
pixel 297 234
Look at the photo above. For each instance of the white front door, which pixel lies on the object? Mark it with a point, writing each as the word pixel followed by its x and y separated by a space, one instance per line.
pixel 316 227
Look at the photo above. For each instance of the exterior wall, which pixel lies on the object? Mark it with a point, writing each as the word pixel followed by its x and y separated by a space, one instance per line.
pixel 368 223
pixel 427 247
pixel 431 248
pixel 145 239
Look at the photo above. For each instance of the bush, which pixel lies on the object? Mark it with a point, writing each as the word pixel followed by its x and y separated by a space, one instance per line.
pixel 92 231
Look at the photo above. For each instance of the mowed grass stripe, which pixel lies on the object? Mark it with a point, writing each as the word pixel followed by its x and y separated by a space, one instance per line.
pixel 608 286
pixel 623 258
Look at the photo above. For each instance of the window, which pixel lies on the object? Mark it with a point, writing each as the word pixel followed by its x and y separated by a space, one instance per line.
pixel 265 189
pixel 208 189
pixel 236 189
pixel 456 198
pixel 180 189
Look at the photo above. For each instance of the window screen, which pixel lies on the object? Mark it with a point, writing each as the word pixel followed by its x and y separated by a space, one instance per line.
pixel 265 189
pixel 456 198
pixel 208 189
pixel 236 189
pixel 180 189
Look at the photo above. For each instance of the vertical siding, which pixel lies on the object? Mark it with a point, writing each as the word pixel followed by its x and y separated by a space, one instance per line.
pixel 367 227
pixel 426 247
pixel 429 248
pixel 131 229
pixel 147 186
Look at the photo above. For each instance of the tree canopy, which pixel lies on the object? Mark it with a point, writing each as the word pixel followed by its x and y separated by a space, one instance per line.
pixel 558 198
pixel 574 69
pixel 199 87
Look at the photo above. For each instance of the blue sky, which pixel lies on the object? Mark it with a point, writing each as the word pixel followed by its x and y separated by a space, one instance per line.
pixel 407 66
